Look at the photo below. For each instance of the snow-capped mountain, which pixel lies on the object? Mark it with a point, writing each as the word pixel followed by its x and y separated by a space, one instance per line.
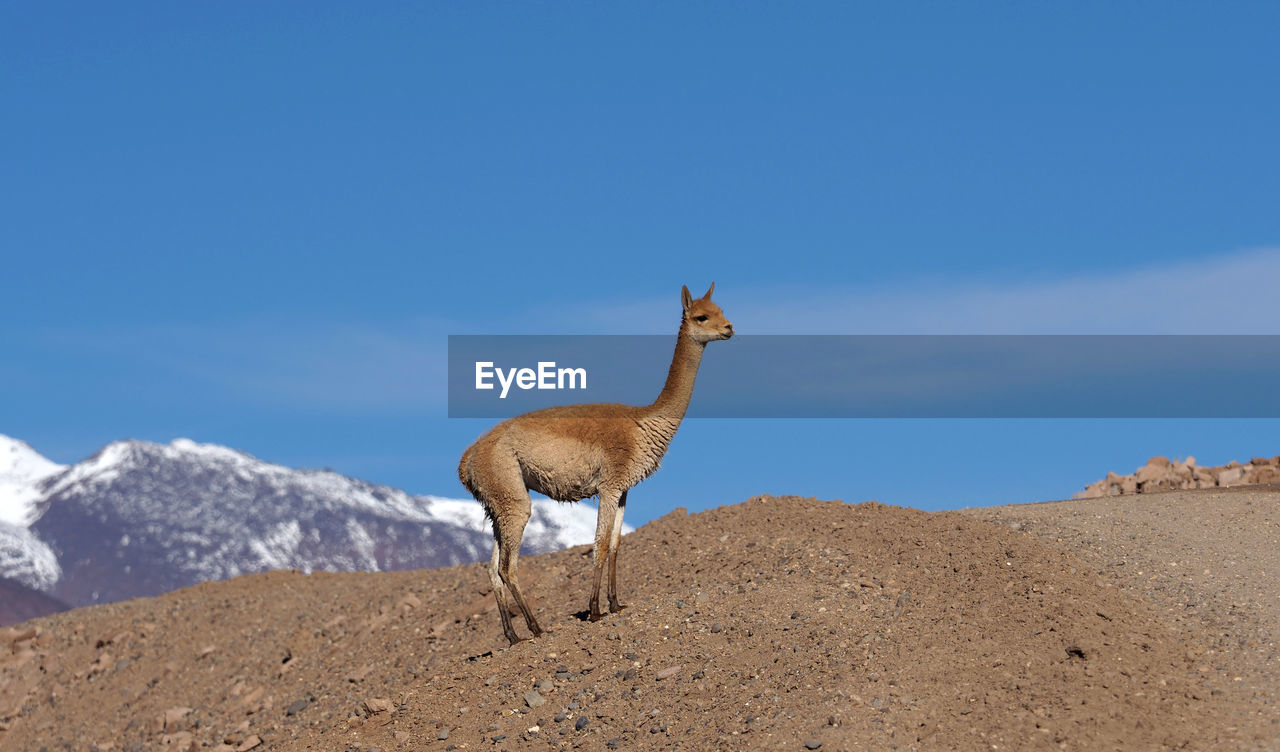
pixel 139 519
pixel 21 470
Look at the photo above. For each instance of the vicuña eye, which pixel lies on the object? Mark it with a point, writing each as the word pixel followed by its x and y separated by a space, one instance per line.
pixel 699 318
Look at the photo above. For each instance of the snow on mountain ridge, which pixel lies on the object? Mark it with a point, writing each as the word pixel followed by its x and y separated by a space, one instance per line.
pixel 21 470
pixel 227 469
pixel 25 558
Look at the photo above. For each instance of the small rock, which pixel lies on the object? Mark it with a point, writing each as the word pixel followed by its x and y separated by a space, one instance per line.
pixel 667 673
pixel 173 718
pixel 378 705
pixel 249 743
pixel 444 734
pixel 358 675
pixel 533 699
pixel 716 628
pixel 297 706
pixel 581 723
pixel 100 665
pixel 252 699
pixel 812 744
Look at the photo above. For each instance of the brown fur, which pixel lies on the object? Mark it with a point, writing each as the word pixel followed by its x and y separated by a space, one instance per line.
pixel 575 452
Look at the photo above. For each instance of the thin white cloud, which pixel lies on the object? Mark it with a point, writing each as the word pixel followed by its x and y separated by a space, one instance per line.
pixel 1224 295
pixel 1228 294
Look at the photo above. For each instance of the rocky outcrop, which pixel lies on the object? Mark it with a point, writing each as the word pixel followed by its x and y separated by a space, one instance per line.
pixel 1163 474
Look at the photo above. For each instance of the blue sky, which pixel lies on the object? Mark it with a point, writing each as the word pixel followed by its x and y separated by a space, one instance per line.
pixel 255 224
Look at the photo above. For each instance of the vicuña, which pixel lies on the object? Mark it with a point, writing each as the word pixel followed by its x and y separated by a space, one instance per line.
pixel 574 452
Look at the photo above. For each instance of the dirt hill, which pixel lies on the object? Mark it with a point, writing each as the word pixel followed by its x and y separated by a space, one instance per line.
pixel 779 623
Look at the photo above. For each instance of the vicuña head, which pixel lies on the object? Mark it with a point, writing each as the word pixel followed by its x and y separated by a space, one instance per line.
pixel 574 452
pixel 703 319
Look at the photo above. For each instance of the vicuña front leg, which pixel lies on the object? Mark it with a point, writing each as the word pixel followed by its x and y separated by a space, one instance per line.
pixel 615 536
pixel 604 534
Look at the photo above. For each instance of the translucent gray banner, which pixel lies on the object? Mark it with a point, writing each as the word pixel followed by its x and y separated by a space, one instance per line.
pixel 880 376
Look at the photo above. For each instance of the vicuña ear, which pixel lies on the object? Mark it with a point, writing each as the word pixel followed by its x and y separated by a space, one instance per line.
pixel 685 298
pixel 710 290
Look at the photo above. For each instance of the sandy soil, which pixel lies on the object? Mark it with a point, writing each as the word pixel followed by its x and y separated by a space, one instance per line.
pixel 1208 560
pixel 780 623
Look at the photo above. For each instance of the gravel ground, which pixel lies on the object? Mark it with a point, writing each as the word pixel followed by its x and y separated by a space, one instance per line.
pixel 1209 560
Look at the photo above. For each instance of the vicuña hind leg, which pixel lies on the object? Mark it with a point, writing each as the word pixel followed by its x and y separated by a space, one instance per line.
pixel 510 530
pixel 615 536
pixel 501 484
pixel 501 595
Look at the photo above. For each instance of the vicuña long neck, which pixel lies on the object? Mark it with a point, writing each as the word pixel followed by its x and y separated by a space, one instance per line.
pixel 676 393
